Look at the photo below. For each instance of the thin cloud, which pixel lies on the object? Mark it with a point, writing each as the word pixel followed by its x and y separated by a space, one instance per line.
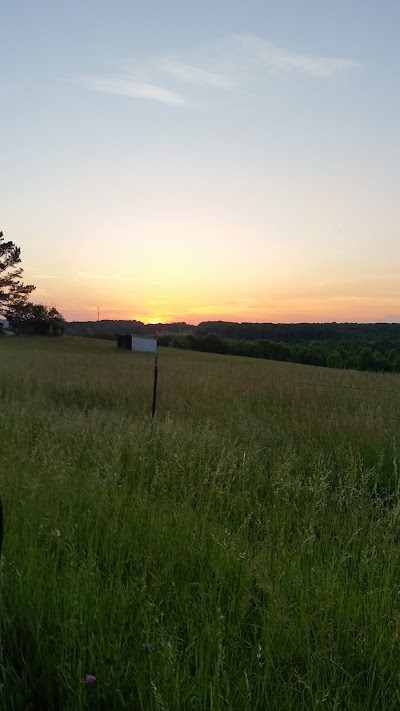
pixel 225 66
pixel 110 277
pixel 117 277
pixel 278 59
pixel 125 85
pixel 46 276
pixel 194 74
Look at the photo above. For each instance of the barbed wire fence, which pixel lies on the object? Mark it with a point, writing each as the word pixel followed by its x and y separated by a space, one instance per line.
pixel 331 412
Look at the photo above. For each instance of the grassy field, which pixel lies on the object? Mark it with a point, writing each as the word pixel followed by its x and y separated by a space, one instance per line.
pixel 241 553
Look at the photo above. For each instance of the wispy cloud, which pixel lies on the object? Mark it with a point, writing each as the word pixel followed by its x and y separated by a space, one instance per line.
pixel 125 85
pixel 46 276
pixel 233 62
pixel 277 59
pixel 117 277
pixel 194 74
pixel 108 277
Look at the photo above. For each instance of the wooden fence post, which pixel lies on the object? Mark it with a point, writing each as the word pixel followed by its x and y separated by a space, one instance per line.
pixel 153 409
pixel 1 525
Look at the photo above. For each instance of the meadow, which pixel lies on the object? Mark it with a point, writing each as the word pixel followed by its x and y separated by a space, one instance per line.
pixel 241 551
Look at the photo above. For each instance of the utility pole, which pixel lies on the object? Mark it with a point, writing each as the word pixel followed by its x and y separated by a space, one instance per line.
pixel 98 313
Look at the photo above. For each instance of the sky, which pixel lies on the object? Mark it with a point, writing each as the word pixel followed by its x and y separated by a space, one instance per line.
pixel 178 160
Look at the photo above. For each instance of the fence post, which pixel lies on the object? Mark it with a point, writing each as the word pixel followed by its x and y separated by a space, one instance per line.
pixel 153 409
pixel 1 525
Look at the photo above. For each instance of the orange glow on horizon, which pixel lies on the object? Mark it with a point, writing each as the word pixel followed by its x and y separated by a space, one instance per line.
pixel 293 313
pixel 152 320
pixel 288 301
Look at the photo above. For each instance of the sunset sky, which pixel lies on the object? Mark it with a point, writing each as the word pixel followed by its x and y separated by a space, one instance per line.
pixel 186 160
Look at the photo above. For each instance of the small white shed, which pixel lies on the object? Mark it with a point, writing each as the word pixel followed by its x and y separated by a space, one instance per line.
pixel 144 344
pixel 140 344
pixel 5 327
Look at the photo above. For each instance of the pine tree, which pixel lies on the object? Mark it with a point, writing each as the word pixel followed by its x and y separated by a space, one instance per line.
pixel 12 289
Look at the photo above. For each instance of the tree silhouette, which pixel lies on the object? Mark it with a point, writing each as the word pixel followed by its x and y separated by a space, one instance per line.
pixel 334 360
pixel 12 289
pixel 40 318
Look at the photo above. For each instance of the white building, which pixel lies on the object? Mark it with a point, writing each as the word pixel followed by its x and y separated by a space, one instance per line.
pixel 140 344
pixel 5 327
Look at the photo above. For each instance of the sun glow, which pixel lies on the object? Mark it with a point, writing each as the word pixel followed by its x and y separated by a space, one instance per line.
pixel 153 320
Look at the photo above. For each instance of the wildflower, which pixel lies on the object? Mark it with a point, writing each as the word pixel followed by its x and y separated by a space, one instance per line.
pixel 90 680
pixel 149 648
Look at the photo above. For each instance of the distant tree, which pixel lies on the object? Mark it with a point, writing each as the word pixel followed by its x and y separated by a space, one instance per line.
pixel 12 290
pixel 315 356
pixel 334 360
pixel 165 340
pixel 366 359
pixel 396 364
pixel 192 340
pixel 303 354
pixel 392 355
pixel 381 363
pixel 178 341
pixel 351 361
pixel 212 343
pixel 36 318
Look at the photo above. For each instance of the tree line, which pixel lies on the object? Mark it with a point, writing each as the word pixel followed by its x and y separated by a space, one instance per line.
pixel 24 316
pixel 107 328
pixel 357 346
pixel 291 333
pixel 301 332
pixel 379 356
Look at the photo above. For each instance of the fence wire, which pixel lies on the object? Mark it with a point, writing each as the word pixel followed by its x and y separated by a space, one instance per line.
pixel 297 383
pixel 282 381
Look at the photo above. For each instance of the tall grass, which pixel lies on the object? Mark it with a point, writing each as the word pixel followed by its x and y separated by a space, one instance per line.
pixel 241 552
